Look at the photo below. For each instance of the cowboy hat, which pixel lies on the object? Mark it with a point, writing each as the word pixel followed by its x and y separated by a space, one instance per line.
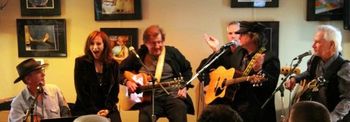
pixel 26 67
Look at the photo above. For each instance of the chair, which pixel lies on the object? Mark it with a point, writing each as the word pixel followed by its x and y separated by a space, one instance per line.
pixel 5 106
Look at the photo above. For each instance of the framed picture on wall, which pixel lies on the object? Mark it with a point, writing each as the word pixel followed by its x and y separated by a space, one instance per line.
pixel 253 3
pixel 121 39
pixel 41 38
pixel 40 7
pixel 117 10
pixel 272 35
pixel 324 10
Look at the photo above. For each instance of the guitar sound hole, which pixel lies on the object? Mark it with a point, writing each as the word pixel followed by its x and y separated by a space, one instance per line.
pixel 138 90
pixel 218 92
pixel 223 83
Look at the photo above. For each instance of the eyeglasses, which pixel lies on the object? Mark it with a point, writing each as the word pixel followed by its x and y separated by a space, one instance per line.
pixel 154 43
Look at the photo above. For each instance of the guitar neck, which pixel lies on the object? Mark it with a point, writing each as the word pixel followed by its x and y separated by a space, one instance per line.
pixel 236 80
pixel 156 86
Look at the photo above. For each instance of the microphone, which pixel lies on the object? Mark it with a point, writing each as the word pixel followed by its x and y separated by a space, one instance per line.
pixel 233 42
pixel 303 55
pixel 132 49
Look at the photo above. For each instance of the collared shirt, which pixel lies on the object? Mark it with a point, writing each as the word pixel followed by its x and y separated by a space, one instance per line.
pixel 322 66
pixel 167 75
pixel 52 105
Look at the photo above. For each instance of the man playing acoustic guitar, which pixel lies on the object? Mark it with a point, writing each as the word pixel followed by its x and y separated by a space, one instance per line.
pixel 327 62
pixel 164 63
pixel 249 59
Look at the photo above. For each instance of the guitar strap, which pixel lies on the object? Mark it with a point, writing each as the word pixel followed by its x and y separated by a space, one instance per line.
pixel 251 63
pixel 248 69
pixel 160 64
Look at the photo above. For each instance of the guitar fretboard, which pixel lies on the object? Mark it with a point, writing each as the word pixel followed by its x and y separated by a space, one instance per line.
pixel 251 63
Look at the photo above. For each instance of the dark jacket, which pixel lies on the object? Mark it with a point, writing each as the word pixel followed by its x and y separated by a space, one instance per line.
pixel 173 57
pixel 249 100
pixel 91 95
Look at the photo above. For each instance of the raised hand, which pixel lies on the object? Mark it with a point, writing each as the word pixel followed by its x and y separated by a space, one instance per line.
pixel 212 42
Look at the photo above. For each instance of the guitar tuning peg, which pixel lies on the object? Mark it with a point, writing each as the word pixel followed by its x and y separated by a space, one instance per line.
pixel 180 76
pixel 257 85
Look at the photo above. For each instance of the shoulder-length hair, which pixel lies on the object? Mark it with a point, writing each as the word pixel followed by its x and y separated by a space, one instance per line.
pixel 106 53
pixel 258 38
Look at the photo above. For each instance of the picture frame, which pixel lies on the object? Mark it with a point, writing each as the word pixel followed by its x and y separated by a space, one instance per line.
pixel 121 39
pixel 117 10
pixel 272 36
pixel 324 11
pixel 41 37
pixel 40 7
pixel 254 3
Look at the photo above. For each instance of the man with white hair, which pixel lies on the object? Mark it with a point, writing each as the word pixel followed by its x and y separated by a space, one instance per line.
pixel 327 63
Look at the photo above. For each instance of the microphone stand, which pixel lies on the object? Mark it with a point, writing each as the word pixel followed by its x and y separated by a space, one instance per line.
pixel 209 62
pixel 153 88
pixel 280 87
pixel 30 111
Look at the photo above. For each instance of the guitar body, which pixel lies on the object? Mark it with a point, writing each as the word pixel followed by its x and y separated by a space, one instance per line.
pixel 307 89
pixel 130 100
pixel 217 88
pixel 127 99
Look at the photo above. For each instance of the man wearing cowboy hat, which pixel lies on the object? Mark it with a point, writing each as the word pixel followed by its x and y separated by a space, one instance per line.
pixel 46 101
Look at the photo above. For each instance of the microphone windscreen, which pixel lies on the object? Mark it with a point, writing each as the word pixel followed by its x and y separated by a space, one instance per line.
pixel 116 50
pixel 131 48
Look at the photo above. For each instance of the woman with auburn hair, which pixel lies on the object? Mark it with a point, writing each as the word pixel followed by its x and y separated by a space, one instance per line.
pixel 96 78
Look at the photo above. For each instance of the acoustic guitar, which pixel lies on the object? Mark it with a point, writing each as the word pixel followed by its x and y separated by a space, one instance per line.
pixel 220 78
pixel 308 86
pixel 128 99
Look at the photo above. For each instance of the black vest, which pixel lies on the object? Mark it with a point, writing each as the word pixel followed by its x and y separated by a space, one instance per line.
pixel 328 94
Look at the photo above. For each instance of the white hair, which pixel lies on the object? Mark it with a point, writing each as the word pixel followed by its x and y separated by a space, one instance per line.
pixel 332 33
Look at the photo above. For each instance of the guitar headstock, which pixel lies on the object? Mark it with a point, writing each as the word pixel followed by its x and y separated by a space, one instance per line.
pixel 179 79
pixel 321 80
pixel 257 79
